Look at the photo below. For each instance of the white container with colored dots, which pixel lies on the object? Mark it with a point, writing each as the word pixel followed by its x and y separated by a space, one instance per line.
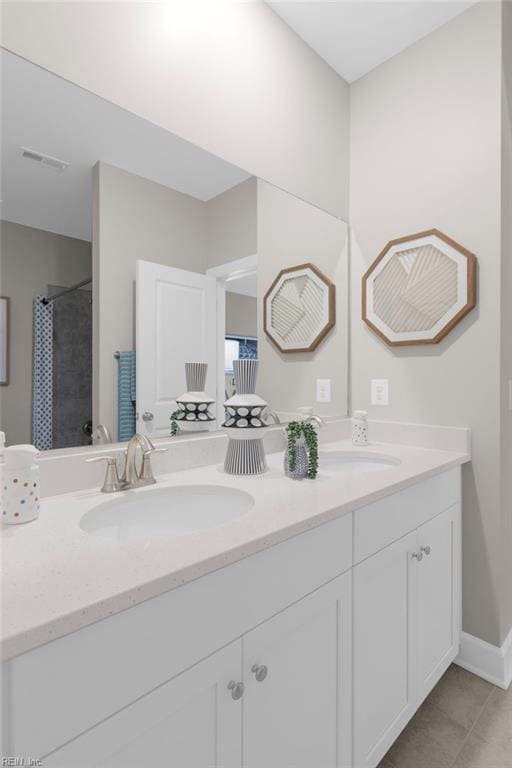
pixel 20 484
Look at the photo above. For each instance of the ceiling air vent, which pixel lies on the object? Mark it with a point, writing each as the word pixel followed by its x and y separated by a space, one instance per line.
pixel 47 160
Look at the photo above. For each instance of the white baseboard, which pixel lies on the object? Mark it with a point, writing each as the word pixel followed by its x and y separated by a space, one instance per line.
pixel 485 660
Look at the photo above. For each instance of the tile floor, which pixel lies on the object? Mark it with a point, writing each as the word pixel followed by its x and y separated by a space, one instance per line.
pixel 464 723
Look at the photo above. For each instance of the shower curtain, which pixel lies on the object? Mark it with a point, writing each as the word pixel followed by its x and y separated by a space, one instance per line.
pixel 42 375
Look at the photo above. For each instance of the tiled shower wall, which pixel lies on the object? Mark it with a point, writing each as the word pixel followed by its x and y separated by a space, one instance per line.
pixel 72 367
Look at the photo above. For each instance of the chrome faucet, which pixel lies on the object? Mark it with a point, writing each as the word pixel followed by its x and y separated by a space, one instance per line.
pixel 101 435
pixel 313 418
pixel 131 477
pixel 269 413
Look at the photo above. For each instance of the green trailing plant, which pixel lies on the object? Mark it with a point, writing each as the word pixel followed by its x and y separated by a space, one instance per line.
pixel 295 431
pixel 174 424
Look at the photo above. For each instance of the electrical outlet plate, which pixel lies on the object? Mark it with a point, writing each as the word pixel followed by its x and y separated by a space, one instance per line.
pixel 323 390
pixel 380 391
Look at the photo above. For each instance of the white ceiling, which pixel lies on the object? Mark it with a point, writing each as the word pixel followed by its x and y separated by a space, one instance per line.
pixel 355 36
pixel 50 115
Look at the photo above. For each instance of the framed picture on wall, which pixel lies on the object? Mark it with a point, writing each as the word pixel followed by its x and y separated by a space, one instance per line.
pixel 4 340
pixel 418 288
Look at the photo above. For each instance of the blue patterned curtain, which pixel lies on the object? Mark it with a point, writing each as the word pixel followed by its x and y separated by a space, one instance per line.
pixel 42 376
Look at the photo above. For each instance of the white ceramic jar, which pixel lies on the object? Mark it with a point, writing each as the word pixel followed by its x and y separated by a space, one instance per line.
pixel 20 484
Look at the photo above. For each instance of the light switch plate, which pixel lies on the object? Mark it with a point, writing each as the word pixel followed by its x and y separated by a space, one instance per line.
pixel 323 390
pixel 380 391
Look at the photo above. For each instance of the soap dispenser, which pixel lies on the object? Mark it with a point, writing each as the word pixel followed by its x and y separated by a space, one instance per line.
pixel 360 428
pixel 20 484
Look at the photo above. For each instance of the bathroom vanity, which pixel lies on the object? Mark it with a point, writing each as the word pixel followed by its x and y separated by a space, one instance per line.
pixel 306 632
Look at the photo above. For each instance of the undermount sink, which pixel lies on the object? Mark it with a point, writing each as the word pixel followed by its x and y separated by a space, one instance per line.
pixel 355 461
pixel 176 510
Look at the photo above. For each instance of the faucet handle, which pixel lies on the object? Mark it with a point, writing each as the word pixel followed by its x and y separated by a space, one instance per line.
pixel 111 483
pixel 146 472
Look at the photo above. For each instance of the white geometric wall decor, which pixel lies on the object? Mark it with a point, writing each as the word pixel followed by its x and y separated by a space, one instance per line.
pixel 418 289
pixel 299 309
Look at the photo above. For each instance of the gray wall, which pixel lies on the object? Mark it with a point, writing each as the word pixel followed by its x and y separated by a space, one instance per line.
pixel 425 152
pixel 293 232
pixel 30 260
pixel 249 89
pixel 134 218
pixel 241 315
pixel 231 224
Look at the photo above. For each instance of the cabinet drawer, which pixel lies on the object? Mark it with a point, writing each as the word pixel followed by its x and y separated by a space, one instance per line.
pixel 387 520
pixel 99 669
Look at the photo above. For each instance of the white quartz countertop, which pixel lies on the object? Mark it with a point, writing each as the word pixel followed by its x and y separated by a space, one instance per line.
pixel 57 578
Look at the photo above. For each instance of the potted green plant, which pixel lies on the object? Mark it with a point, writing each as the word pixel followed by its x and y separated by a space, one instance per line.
pixel 301 457
pixel 174 424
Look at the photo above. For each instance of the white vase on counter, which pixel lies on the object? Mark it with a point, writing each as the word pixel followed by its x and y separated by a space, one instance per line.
pixel 193 414
pixel 245 424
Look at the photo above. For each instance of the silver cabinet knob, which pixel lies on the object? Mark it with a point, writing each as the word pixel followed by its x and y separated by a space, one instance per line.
pixel 260 672
pixel 237 689
pixel 426 549
pixel 418 556
pixel 148 416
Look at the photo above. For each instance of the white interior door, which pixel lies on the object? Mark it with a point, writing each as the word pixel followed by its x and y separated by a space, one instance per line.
pixel 176 322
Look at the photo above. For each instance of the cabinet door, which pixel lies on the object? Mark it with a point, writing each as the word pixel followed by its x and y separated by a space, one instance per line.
pixel 384 649
pixel 297 704
pixel 438 598
pixel 192 720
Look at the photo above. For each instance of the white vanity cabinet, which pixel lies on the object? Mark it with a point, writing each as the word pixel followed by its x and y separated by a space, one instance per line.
pixel 406 630
pixel 313 652
pixel 294 666
pixel 297 668
pixel 193 720
pixel 438 598
pixel 384 640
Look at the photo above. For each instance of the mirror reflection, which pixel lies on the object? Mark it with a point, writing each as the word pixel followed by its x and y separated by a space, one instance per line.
pixel 127 253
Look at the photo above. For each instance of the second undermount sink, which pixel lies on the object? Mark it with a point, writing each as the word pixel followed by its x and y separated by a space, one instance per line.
pixel 355 461
pixel 166 511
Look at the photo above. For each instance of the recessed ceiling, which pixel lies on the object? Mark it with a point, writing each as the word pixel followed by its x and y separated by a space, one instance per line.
pixel 44 113
pixel 355 36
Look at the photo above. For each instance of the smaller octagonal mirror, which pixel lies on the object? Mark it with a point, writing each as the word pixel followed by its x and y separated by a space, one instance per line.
pixel 299 309
pixel 419 288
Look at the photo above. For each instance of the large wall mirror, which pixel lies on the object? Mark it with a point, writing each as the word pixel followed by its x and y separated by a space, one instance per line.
pixel 127 252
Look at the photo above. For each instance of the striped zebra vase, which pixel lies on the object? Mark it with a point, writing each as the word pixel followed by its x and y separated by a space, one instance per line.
pixel 193 414
pixel 245 425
